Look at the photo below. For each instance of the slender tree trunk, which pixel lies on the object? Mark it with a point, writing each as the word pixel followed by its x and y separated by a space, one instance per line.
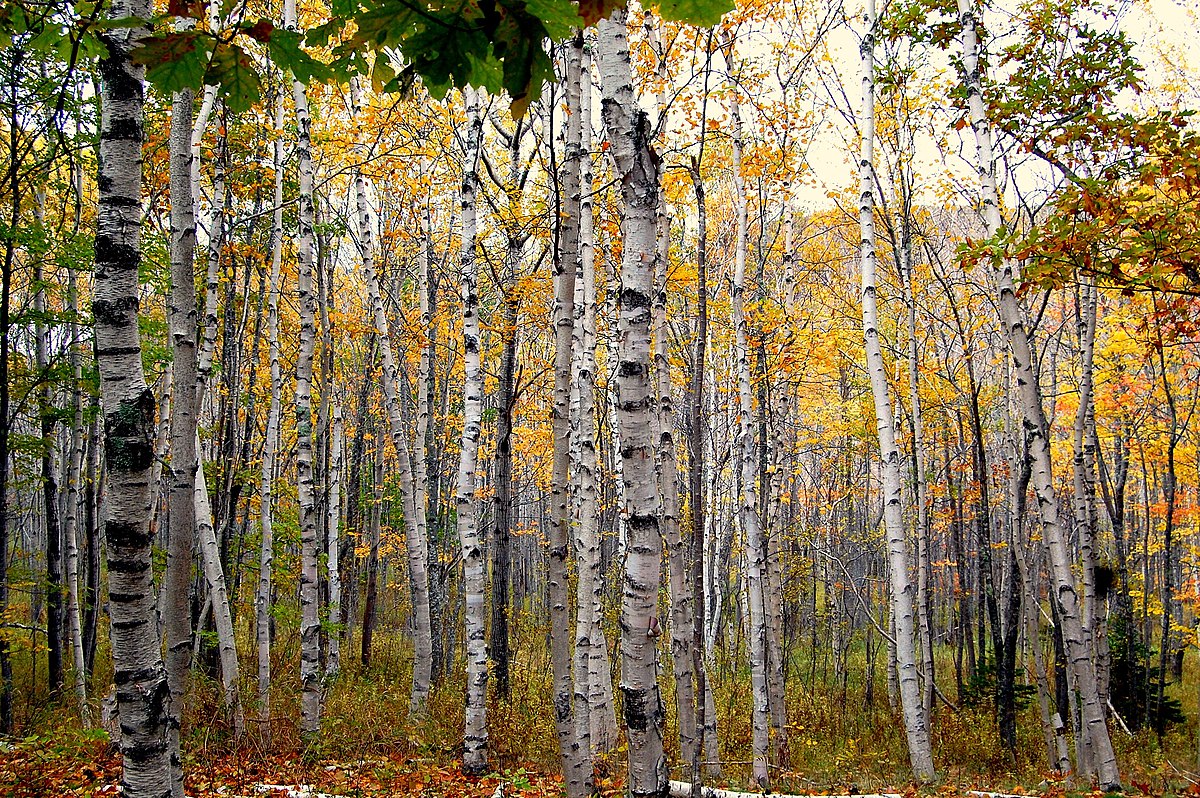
pixel 310 622
pixel 697 472
pixel 333 660
pixel 266 558
pixel 181 528
pixel 413 496
pixel 573 743
pixel 475 754
pixel 1029 396
pixel 593 668
pixel 214 575
pixel 748 511
pixel 637 173
pixel 919 751
pixel 74 477
pixel 372 588
pixel 49 484
pixel 919 476
pixel 143 694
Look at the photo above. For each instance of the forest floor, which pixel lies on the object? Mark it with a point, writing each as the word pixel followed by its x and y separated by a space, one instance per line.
pixel 84 764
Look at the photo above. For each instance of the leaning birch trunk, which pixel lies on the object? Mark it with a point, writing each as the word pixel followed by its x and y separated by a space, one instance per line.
pixel 262 600
pixel 1095 730
pixel 601 714
pixel 181 516
pixel 573 744
pixel 310 622
pixel 682 625
pixel 919 476
pixel 71 517
pixel 919 751
pixel 333 661
pixel 637 171
pixel 681 594
pixel 413 497
pixel 748 510
pixel 210 556
pixel 142 692
pixel 475 756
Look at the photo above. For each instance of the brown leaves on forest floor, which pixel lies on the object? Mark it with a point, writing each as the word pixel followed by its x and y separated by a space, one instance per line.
pixel 89 767
pixel 46 768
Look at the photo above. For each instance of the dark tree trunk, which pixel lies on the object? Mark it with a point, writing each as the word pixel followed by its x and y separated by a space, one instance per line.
pixel 502 503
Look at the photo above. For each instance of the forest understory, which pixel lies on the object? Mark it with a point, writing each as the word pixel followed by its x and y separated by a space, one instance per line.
pixel 840 742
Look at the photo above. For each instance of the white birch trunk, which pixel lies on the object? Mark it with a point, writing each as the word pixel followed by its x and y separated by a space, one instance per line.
pixel 333 660
pixel 310 622
pixel 637 172
pixel 413 500
pixel 71 516
pixel 475 755
pixel 210 556
pixel 128 404
pixel 574 746
pixel 181 316
pixel 262 600
pixel 916 730
pixel 748 510
pixel 1095 729
pixel 601 713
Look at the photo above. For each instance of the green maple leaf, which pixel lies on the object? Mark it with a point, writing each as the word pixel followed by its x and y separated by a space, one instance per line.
pixel 286 52
pixel 233 71
pixel 695 12
pixel 175 60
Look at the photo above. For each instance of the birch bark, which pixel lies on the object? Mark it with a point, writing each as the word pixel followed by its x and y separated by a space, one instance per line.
pixel 748 510
pixel 919 751
pixel 637 171
pixel 142 690
pixel 594 669
pixel 333 661
pixel 262 601
pixel 475 756
pixel 1030 400
pixel 575 752
pixel 413 498
pixel 71 516
pixel 310 623
pixel 181 316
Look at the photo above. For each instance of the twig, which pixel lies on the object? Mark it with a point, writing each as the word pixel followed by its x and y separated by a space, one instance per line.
pixel 1119 719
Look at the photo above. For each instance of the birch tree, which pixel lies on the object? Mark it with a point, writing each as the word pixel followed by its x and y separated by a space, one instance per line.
pixel 636 168
pixel 177 618
pixel 412 489
pixel 901 587
pixel 310 622
pixel 748 504
pixel 475 757
pixel 262 599
pixel 128 406
pixel 1103 760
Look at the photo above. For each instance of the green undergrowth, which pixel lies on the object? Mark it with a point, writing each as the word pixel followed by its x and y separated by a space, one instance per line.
pixel 838 740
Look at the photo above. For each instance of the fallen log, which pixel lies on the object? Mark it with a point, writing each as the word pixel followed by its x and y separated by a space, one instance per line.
pixel 683 789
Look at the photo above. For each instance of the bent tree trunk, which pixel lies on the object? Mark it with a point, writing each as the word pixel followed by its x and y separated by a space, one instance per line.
pixel 902 604
pixel 1095 730
pixel 138 672
pixel 637 172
